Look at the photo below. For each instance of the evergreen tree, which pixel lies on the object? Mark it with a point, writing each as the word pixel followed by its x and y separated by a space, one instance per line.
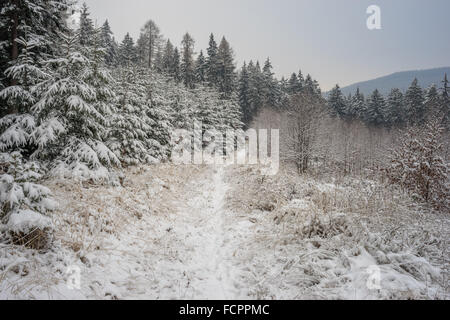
pixel 127 52
pixel 225 68
pixel 294 85
pixel 33 20
pixel 432 101
pixel 175 69
pixel 201 68
pixel 357 105
pixel 375 107
pixel 17 127
pixel 211 61
pixel 272 92
pixel 109 44
pixel 395 111
pixel 311 86
pixel 336 102
pixel 86 28
pixel 168 56
pixel 256 90
pixel 129 136
pixel 187 63
pixel 414 102
pixel 74 112
pixel 25 204
pixel 301 80
pixel 284 85
pixel 244 96
pixel 445 104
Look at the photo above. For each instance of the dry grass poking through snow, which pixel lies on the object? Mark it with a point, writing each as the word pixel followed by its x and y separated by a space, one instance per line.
pixel 320 239
pixel 115 235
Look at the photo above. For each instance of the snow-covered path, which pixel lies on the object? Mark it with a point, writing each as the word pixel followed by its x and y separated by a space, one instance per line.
pixel 206 225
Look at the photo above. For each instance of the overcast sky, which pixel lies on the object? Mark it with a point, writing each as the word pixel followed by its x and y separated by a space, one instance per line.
pixel 327 38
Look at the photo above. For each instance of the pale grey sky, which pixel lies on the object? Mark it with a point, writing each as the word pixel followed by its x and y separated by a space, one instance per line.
pixel 327 38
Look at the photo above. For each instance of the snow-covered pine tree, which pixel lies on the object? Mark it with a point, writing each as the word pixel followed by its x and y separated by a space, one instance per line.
pixel 244 95
pixel 175 68
pixel 309 85
pixel 187 61
pixel 211 61
pixel 272 92
pixel 225 69
pixel 394 114
pixel 74 111
pixel 200 68
pixel 336 102
pixel 432 102
pixel 375 107
pixel 445 104
pixel 86 26
pixel 25 204
pixel 255 87
pixel 34 20
pixel 108 43
pixel 348 112
pixel 414 102
pixel 130 128
pixel 284 85
pixel 127 52
pixel 301 80
pixel 294 85
pixel 167 59
pixel 357 104
pixel 17 127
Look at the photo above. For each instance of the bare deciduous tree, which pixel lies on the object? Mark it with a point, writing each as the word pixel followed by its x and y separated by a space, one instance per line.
pixel 301 121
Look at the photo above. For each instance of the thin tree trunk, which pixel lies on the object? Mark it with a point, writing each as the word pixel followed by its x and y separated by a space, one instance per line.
pixel 14 48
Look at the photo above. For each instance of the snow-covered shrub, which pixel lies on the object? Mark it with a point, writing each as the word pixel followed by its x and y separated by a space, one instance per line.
pixel 24 203
pixel 418 165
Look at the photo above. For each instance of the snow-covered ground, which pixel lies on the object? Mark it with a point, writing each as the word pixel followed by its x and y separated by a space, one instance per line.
pixel 205 232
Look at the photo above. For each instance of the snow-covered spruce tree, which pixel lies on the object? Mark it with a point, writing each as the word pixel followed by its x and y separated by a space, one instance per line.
pixel 418 166
pixel 46 19
pixel 244 95
pixel 163 95
pixel 272 91
pixel 131 135
pixel 225 69
pixel 108 43
pixel 336 102
pixel 211 61
pixel 86 27
pixel 24 203
pixel 294 84
pixel 16 127
pixel 375 107
pixel 127 55
pixel 357 104
pixel 445 104
pixel 74 112
pixel 200 68
pixel 414 102
pixel 187 61
pixel 394 113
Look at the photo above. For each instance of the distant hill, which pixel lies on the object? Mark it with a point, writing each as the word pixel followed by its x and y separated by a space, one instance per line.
pixel 400 80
